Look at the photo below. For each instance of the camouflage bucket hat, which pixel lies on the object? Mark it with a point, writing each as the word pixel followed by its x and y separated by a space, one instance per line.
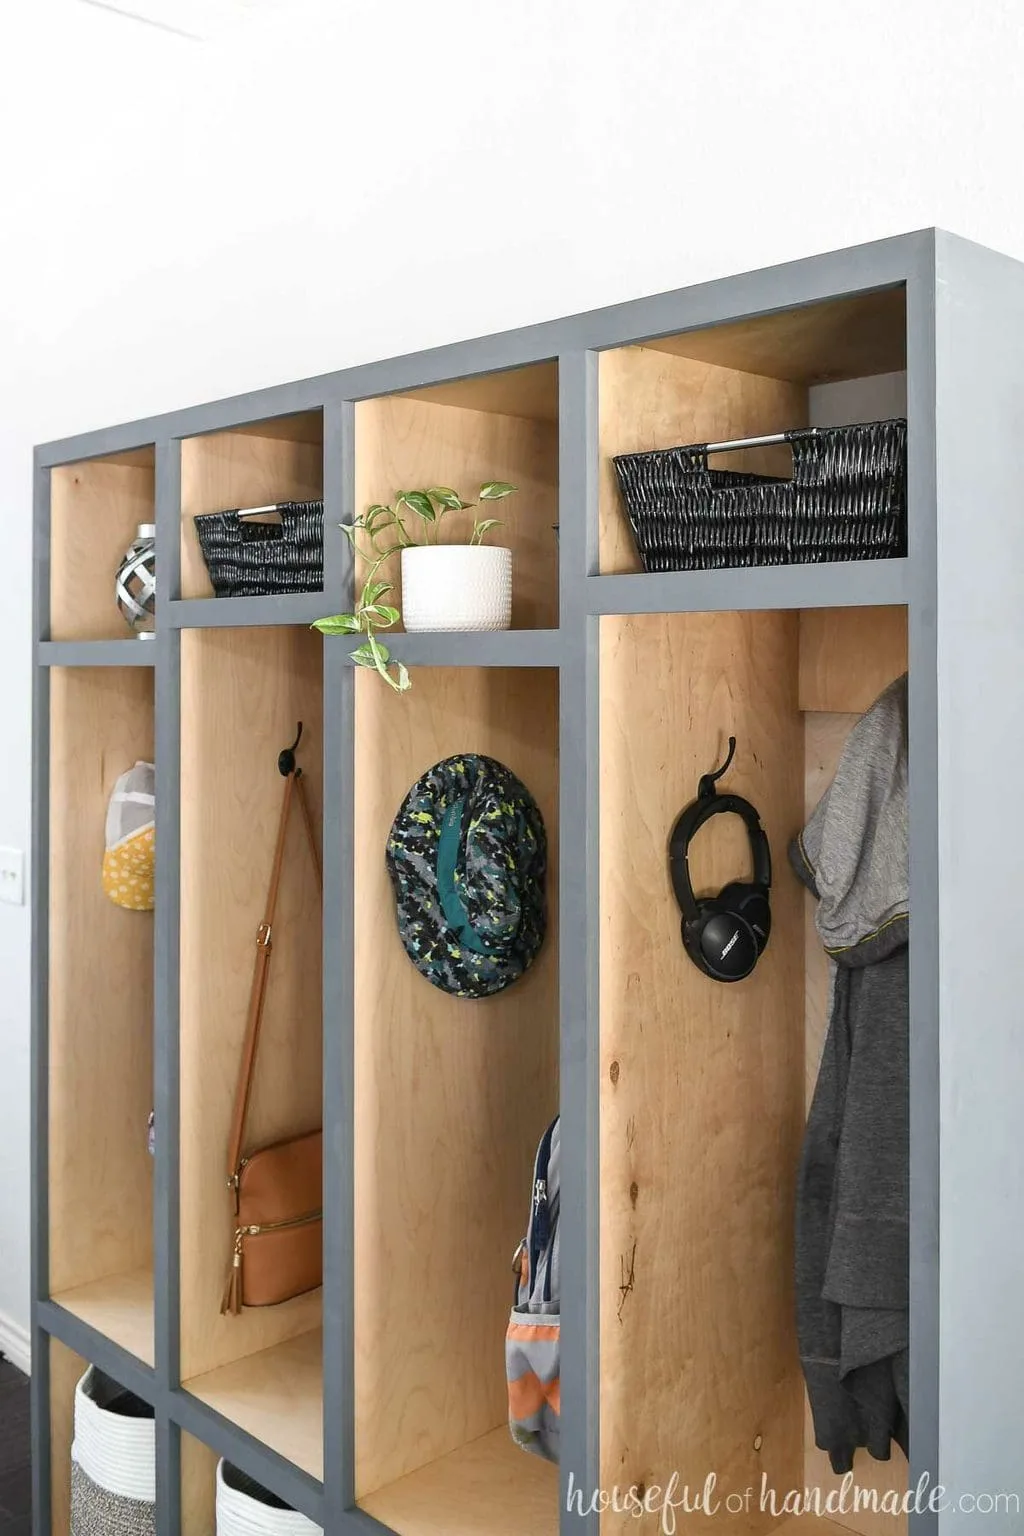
pixel 467 856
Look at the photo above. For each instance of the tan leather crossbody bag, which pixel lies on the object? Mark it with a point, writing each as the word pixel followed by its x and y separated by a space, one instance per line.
pixel 277 1191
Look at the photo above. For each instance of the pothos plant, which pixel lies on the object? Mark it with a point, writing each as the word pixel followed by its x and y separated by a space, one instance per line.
pixel 381 532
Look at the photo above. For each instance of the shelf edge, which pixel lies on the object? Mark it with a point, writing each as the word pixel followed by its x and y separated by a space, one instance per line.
pixel 242 612
pixel 837 584
pixel 96 653
pixel 111 1358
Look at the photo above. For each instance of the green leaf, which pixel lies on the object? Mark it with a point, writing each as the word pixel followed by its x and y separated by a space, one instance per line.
pixel 340 624
pixel 377 517
pixel 403 677
pixel 370 654
pixel 418 502
pixel 350 530
pixel 497 490
pixel 483 526
pixel 445 497
pixel 380 615
pixel 375 590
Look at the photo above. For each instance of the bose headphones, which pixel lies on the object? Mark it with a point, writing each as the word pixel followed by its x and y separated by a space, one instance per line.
pixel 725 934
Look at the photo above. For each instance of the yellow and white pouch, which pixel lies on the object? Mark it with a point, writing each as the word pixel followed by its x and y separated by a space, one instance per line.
pixel 129 857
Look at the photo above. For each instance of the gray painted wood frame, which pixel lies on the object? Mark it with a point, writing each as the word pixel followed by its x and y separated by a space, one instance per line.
pixel 961 583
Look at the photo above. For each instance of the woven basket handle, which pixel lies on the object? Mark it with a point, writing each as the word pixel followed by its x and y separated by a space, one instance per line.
pixel 266 533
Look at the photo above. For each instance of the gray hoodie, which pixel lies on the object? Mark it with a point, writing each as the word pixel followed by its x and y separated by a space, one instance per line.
pixel 852 1206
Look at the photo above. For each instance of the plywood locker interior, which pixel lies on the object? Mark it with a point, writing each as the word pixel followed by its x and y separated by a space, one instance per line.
pixel 451 1097
pixel 502 427
pixel 243 693
pixel 100 1016
pixel 66 1371
pixel 95 510
pixel 847 657
pixel 198 1488
pixel 703 1086
pixel 258 465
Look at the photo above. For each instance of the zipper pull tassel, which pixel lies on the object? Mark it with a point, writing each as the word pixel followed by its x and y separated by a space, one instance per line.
pixel 232 1301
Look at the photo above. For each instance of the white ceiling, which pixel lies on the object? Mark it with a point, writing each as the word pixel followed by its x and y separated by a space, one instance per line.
pixel 199 19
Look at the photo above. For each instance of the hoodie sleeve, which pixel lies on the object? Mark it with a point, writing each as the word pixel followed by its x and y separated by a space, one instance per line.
pixel 853 852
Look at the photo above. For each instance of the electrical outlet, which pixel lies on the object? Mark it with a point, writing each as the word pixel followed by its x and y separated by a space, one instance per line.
pixel 12 876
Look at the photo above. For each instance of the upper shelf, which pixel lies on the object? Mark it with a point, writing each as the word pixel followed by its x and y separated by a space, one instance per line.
pixel 96 508
pixel 743 379
pixel 256 465
pixel 501 426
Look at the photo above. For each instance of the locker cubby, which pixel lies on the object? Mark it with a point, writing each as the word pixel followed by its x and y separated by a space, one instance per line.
pixel 451 1097
pixel 745 378
pixel 702 1108
pixel 251 466
pixel 100 1006
pixel 499 427
pixel 242 694
pixel 66 1370
pixel 198 1488
pixel 96 507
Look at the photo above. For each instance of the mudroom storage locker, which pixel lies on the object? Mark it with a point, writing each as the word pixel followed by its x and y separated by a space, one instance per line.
pixel 378 1402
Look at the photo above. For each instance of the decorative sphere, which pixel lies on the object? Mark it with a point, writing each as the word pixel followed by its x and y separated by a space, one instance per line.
pixel 135 587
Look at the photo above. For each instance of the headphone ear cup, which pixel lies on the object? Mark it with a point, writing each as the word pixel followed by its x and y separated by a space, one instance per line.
pixel 691 931
pixel 728 944
pixel 752 903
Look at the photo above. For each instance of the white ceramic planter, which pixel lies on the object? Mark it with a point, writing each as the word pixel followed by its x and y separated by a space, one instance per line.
pixel 456 586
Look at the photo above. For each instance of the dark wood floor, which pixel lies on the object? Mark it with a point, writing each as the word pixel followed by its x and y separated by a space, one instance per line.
pixel 15 1486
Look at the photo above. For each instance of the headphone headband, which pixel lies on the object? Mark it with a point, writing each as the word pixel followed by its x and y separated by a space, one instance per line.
pixel 689 823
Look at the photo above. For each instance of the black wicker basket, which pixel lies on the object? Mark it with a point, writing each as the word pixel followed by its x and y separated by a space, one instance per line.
pixel 847 500
pixel 247 559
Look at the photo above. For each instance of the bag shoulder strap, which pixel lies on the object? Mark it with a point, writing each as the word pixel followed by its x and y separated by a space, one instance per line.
pixel 293 785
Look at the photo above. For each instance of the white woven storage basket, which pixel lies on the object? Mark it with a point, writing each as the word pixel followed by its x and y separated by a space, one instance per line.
pixel 243 1510
pixel 113 1472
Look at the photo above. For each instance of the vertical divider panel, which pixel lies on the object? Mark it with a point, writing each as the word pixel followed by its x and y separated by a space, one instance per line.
pixel 168 1474
pixel 40 1055
pixel 166 1215
pixel 339 964
pixel 927 511
pixel 166 1224
pixel 579 891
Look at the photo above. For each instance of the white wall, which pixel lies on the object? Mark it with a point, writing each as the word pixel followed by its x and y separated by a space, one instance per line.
pixel 178 221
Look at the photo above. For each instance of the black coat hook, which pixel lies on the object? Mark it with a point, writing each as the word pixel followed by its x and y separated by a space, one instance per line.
pixel 706 788
pixel 286 763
